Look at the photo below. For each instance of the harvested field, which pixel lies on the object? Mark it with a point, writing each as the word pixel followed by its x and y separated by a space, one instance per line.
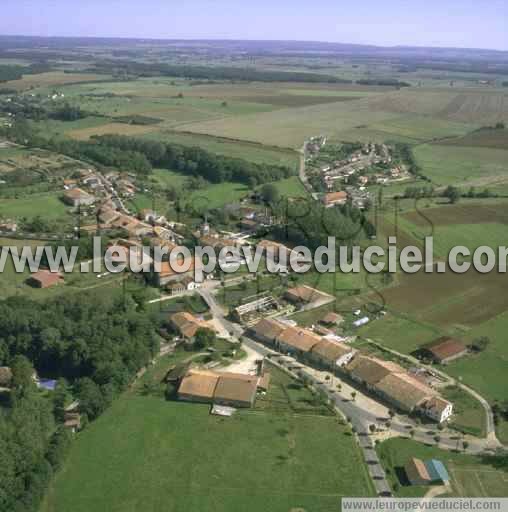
pixel 462 166
pixel 496 139
pixel 461 213
pixel 290 127
pixel 467 106
pixel 52 78
pixel 448 299
pixel 295 100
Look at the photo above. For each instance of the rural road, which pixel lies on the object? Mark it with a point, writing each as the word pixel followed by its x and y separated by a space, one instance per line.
pixel 490 441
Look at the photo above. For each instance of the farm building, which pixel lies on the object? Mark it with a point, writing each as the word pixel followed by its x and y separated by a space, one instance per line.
pixel 45 279
pixel 444 350
pixel 305 295
pixel 251 312
pixel 335 198
pixel 222 388
pixel 77 197
pixel 428 472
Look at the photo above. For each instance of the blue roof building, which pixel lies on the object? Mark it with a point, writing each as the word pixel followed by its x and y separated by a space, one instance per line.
pixel 437 471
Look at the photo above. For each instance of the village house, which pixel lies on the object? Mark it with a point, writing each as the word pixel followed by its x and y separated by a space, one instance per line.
pixel 331 354
pixel 437 408
pixel 77 197
pixel 45 279
pixel 168 274
pixel 332 319
pixel 147 215
pixel 72 421
pixel 296 340
pixel 397 387
pixel 70 183
pixel 5 378
pixel 403 391
pixel 8 227
pixel 187 324
pixel 304 294
pixel 368 371
pixel 182 286
pixel 277 251
pixel 335 198
pixel 443 350
pixel 267 330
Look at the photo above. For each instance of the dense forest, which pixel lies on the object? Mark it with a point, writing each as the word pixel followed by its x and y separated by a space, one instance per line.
pixel 10 72
pixel 94 345
pixel 310 224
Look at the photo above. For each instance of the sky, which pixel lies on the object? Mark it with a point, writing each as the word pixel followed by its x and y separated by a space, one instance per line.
pixel 448 23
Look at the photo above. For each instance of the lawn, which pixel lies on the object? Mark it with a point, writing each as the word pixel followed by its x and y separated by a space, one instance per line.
pixel 291 187
pixel 216 196
pixel 470 476
pixel 146 453
pixel 468 413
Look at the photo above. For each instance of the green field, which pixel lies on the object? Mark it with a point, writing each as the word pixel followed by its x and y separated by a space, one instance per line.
pixel 463 166
pixel 146 453
pixel 47 205
pixel 238 149
pixel 470 476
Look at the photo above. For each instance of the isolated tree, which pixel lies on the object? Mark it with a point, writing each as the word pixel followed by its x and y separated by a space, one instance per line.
pixel 480 344
pixel 353 395
pixel 465 445
pixel 204 338
pixel 452 193
pixel 372 427
pixel 270 193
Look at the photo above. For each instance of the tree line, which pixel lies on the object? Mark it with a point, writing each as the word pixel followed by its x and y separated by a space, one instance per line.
pixel 140 156
pixel 94 345
pixel 212 72
pixel 197 162
pixel 10 72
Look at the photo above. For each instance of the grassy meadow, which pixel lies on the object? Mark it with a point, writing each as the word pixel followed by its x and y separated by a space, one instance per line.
pixel 149 453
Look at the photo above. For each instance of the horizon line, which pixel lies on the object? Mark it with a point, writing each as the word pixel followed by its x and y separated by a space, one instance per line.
pixel 221 39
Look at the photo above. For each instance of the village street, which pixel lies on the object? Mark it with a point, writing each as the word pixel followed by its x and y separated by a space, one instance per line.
pixel 361 410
